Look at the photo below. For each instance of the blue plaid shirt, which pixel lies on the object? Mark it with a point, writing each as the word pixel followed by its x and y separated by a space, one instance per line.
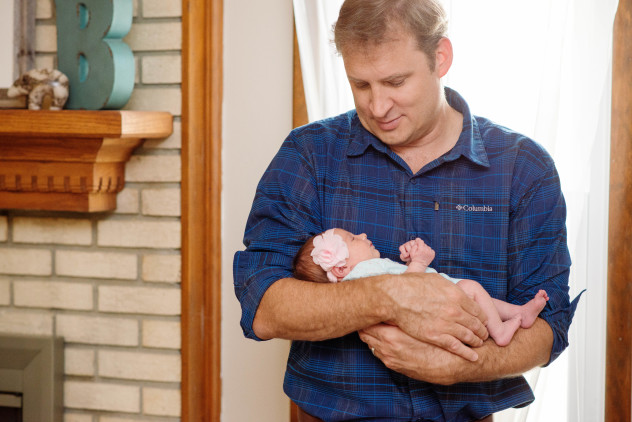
pixel 491 208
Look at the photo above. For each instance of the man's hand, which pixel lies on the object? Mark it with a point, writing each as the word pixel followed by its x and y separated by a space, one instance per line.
pixel 406 355
pixel 426 362
pixel 436 311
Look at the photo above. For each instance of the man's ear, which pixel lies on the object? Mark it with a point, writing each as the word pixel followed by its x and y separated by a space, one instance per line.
pixel 443 57
pixel 340 272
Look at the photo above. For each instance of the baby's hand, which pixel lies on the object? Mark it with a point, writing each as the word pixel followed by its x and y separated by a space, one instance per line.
pixel 405 251
pixel 416 251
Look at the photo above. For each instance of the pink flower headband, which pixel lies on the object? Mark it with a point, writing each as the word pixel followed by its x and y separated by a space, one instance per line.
pixel 330 251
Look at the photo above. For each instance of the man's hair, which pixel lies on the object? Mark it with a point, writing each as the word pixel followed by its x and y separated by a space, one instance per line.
pixel 304 267
pixel 370 22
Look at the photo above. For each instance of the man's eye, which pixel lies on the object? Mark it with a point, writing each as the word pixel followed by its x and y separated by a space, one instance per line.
pixel 396 83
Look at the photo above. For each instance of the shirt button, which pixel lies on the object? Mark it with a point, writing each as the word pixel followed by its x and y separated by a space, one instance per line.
pixel 413 181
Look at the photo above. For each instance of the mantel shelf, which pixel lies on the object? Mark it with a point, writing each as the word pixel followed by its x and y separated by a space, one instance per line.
pixel 70 160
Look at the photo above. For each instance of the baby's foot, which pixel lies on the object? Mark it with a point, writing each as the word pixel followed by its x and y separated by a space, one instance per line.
pixel 532 309
pixel 505 332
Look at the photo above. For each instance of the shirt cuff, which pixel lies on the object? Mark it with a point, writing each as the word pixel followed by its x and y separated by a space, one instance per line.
pixel 560 322
pixel 250 295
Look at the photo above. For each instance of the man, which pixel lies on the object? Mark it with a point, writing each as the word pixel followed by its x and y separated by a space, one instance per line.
pixel 410 161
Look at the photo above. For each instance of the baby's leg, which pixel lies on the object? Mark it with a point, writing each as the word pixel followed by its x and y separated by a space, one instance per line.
pixel 501 331
pixel 529 311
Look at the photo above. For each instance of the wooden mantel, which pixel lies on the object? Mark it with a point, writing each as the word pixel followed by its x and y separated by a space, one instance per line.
pixel 70 160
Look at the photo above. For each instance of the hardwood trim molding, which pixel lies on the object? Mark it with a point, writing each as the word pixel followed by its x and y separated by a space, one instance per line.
pixel 619 313
pixel 299 106
pixel 202 31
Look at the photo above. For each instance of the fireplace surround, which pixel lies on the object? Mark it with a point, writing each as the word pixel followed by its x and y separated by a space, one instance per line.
pixel 31 376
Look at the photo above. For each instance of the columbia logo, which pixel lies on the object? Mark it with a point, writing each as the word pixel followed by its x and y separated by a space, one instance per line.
pixel 474 208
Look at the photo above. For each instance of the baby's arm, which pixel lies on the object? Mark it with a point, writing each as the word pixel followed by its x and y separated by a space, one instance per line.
pixel 417 255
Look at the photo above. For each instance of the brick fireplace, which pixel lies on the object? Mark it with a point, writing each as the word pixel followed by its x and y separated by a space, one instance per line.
pixel 109 284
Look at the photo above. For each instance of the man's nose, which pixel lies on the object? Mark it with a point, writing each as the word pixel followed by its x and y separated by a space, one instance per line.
pixel 380 102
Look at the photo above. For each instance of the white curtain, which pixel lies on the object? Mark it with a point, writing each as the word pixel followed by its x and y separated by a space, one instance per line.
pixel 327 92
pixel 543 68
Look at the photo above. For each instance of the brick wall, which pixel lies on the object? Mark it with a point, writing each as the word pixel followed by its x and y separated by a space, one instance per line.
pixel 110 283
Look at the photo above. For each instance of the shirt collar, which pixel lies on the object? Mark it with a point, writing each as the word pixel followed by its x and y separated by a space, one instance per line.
pixel 362 138
pixel 469 145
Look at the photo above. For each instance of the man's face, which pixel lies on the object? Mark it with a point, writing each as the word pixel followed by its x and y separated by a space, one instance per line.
pixel 397 95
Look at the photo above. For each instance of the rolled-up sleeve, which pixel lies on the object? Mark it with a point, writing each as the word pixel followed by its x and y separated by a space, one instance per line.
pixel 537 248
pixel 285 212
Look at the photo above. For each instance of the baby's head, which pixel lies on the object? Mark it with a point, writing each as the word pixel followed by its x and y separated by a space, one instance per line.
pixel 330 256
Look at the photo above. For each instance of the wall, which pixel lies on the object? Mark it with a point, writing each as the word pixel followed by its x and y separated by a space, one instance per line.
pixel 257 116
pixel 110 283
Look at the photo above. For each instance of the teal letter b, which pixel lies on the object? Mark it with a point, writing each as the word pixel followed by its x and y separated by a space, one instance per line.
pixel 90 51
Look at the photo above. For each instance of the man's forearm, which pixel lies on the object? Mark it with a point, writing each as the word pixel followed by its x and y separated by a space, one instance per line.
pixel 529 348
pixel 300 310
pixel 426 306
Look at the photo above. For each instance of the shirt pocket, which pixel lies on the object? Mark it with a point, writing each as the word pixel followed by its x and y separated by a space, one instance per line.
pixel 419 216
pixel 471 238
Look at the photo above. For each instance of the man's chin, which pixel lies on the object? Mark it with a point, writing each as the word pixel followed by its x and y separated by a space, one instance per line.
pixel 393 138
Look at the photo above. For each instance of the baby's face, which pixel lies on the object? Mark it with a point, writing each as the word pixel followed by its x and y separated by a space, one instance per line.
pixel 360 248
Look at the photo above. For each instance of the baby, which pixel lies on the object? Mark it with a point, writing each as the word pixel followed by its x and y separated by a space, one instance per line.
pixel 337 255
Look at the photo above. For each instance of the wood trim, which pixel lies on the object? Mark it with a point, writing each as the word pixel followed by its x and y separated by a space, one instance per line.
pixel 202 31
pixel 84 124
pixel 619 314
pixel 70 160
pixel 299 107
